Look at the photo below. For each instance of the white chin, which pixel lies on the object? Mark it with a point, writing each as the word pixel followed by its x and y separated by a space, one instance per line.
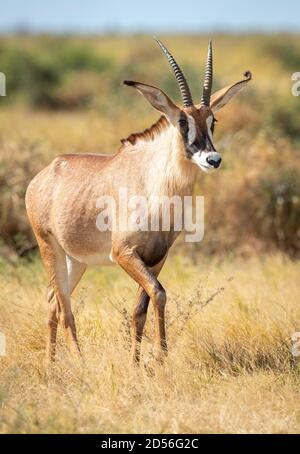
pixel 207 169
pixel 202 163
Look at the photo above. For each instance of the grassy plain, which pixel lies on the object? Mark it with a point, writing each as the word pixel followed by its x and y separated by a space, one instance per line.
pixel 233 299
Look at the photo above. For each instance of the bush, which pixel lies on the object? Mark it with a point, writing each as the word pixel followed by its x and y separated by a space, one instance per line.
pixel 282 118
pixel 284 51
pixel 279 214
pixel 80 57
pixel 37 76
pixel 29 75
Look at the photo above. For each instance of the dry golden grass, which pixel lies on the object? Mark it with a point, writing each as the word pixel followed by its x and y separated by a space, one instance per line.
pixel 229 369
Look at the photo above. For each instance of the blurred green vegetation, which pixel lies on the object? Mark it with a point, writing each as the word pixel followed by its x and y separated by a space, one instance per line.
pixel 39 75
pixel 64 94
pixel 283 49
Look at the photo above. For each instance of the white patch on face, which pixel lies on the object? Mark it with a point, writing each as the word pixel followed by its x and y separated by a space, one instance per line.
pixel 199 158
pixel 209 122
pixel 206 160
pixel 192 130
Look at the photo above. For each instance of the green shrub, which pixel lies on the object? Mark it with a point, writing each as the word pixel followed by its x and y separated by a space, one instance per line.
pixel 282 118
pixel 36 76
pixel 28 74
pixel 279 212
pixel 286 52
pixel 80 57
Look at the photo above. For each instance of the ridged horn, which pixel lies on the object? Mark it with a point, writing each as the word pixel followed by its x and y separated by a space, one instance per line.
pixel 183 85
pixel 208 77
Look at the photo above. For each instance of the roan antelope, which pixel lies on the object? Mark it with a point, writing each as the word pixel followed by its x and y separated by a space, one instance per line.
pixel 162 160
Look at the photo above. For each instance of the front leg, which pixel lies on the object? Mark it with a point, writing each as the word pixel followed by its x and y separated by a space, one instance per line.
pixel 138 322
pixel 140 315
pixel 130 261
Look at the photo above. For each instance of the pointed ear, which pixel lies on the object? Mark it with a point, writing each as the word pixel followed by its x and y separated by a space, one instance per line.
pixel 223 96
pixel 157 98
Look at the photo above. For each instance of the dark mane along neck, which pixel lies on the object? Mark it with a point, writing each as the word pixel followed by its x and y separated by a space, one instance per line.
pixel 148 134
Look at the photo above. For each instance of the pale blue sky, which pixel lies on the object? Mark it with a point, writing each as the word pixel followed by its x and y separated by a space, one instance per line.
pixel 87 16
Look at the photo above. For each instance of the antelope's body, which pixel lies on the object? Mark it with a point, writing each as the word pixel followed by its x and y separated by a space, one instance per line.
pixel 61 202
pixel 70 186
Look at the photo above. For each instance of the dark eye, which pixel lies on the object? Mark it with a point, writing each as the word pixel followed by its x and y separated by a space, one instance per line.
pixel 183 123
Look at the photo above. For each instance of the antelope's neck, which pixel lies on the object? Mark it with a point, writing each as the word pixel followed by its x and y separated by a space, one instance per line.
pixel 170 172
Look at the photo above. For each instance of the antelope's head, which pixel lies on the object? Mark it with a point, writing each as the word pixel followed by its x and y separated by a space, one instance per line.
pixel 194 123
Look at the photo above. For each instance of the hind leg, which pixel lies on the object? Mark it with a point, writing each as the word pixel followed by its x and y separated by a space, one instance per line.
pixel 75 272
pixel 55 262
pixel 52 322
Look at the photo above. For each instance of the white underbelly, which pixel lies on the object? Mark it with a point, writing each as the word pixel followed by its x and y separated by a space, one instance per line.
pixel 93 259
pixel 99 254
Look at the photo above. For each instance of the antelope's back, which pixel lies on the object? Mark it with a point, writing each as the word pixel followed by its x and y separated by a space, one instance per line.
pixel 63 188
